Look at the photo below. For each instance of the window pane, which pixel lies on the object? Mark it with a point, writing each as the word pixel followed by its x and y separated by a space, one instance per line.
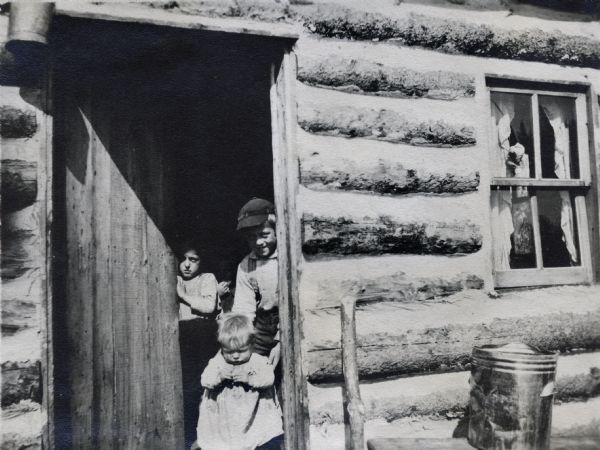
pixel 558 228
pixel 558 137
pixel 514 243
pixel 512 127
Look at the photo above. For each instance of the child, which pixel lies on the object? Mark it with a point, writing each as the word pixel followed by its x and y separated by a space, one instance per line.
pixel 239 410
pixel 257 276
pixel 198 292
pixel 198 295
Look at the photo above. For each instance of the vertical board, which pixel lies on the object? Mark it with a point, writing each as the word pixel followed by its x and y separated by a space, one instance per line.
pixel 286 180
pixel 120 306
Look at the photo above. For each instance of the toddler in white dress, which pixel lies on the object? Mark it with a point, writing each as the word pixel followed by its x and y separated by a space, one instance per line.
pixel 239 409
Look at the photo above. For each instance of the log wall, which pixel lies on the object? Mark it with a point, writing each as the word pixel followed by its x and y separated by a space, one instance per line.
pixel 22 143
pixel 392 143
pixel 395 173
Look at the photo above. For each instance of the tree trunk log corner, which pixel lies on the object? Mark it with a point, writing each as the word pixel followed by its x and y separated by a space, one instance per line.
pixel 448 348
pixel 19 184
pixel 367 236
pixel 383 125
pixel 21 381
pixel 371 78
pixel 382 177
pixel 17 123
pixel 396 288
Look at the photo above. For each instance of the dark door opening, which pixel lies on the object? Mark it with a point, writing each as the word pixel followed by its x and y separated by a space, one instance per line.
pixel 161 135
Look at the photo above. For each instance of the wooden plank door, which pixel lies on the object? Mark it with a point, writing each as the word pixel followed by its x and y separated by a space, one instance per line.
pixel 119 306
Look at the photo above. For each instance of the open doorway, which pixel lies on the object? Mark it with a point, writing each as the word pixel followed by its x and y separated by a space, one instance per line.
pixel 217 111
pixel 160 136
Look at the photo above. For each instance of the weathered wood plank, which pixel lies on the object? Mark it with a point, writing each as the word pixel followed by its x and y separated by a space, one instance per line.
pixel 347 236
pixel 103 306
pixel 122 314
pixel 384 125
pixel 285 170
pixel 448 348
pixel 381 177
pixel 467 38
pixel 127 13
pixel 370 78
pixel 19 184
pixel 354 409
pixel 17 122
pixel 79 322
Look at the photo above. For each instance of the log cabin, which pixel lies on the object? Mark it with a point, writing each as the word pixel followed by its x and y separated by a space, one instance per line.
pixel 437 160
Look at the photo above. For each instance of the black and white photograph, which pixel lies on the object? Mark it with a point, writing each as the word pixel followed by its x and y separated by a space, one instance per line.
pixel 300 225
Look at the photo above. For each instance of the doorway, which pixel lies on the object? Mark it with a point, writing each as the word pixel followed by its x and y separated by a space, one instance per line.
pixel 160 136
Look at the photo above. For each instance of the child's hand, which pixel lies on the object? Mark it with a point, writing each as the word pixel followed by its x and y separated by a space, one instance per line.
pixel 212 379
pixel 223 288
pixel 275 354
pixel 180 287
pixel 240 377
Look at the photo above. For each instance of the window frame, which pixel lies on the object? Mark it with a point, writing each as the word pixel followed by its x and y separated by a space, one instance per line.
pixel 580 188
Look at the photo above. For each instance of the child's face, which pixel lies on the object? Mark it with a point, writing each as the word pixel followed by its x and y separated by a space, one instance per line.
pixel 237 355
pixel 189 266
pixel 262 240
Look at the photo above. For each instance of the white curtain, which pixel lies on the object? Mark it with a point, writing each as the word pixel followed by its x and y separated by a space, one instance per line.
pixel 503 227
pixel 557 116
pixel 510 161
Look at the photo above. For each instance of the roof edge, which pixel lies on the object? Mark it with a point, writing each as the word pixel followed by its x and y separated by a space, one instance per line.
pixel 124 13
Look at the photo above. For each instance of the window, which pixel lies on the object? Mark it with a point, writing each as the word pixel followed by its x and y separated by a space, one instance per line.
pixel 540 179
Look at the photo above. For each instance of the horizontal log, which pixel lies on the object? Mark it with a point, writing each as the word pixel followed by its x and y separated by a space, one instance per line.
pixel 371 78
pixel 383 125
pixel 393 405
pixel 17 122
pixel 15 258
pixel 397 288
pixel 17 314
pixel 454 36
pixel 441 394
pixel 263 10
pixel 20 381
pixel 381 177
pixel 368 236
pixel 22 426
pixel 578 420
pixel 19 184
pixel 448 348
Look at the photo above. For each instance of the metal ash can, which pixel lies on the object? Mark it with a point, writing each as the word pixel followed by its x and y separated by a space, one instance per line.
pixel 512 388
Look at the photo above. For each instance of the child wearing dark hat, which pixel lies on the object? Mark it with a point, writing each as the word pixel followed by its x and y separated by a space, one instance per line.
pixel 256 292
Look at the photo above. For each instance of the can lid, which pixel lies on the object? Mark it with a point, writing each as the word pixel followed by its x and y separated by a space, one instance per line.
pixel 515 356
pixel 518 348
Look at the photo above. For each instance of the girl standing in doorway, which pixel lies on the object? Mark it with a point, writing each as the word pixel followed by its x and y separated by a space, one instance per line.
pixel 198 294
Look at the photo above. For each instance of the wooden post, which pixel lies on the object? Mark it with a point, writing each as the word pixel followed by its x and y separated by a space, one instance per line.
pixel 289 252
pixel 353 407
